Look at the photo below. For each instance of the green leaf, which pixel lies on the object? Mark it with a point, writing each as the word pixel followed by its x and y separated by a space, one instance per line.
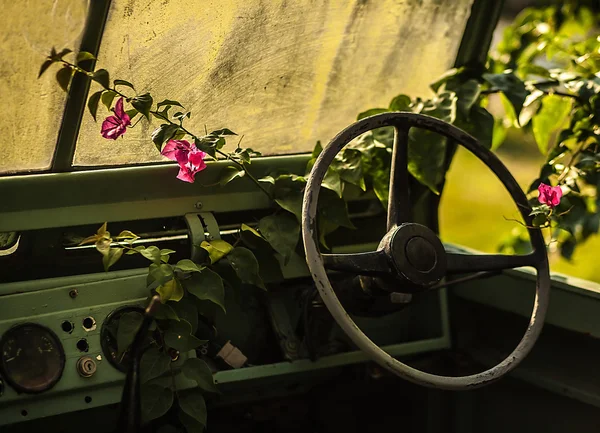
pixel 245 265
pixel 530 106
pixel 446 76
pixel 193 411
pixel 466 96
pixel 334 208
pixel 179 336
pixel 267 179
pixel 156 401
pixel 427 150
pixel 127 234
pixel 333 182
pixel 551 117
pixel 400 103
pixel 187 310
pixel 324 228
pixel 481 126
pixel 101 77
pixel 217 249
pixel 143 104
pixel 207 285
pixel 499 134
pixel 154 363
pixel 198 370
pixel 207 146
pixel 93 103
pixel 82 56
pixel 152 253
pixel 123 83
pixel 167 311
pixel 512 87
pixel 288 192
pixel 112 257
pixel 269 268
pixel 170 291
pixel 163 133
pixel 107 98
pixel 230 173
pixel 159 273
pixel 63 77
pixel 349 166
pixel 543 209
pixel 190 424
pixel 168 102
pixel 584 88
pixel 186 265
pixel 371 112
pixel 251 230
pixel 223 131
pixel 129 324
pixel 45 67
pixel 282 232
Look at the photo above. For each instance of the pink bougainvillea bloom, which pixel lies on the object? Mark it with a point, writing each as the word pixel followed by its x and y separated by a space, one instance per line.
pixel 115 126
pixel 189 158
pixel 549 195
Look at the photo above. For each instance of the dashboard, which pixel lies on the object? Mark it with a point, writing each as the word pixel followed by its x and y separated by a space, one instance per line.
pixel 57 336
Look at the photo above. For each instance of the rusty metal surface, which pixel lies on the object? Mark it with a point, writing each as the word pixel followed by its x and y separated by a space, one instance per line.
pixel 455 263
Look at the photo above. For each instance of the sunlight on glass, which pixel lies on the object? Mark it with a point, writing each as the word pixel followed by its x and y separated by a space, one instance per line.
pixel 283 74
pixel 32 109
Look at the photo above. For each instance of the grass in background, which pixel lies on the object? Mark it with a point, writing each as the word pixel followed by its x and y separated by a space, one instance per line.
pixel 475 204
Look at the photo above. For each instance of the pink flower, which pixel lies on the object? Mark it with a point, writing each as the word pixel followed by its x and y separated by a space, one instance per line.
pixel 189 158
pixel 549 195
pixel 115 126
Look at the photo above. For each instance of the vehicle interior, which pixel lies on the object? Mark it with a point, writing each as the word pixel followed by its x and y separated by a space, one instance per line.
pixel 329 344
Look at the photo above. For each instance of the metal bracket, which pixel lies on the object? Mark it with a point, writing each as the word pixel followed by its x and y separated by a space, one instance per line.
pixel 201 227
pixel 282 325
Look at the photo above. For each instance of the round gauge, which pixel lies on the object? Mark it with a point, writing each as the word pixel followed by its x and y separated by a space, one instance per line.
pixel 32 358
pixel 109 336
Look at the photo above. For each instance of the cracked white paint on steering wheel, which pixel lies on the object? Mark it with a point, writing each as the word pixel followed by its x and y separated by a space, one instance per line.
pixel 386 259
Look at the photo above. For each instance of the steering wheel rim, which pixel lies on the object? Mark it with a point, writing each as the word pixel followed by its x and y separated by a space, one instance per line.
pixel 402 122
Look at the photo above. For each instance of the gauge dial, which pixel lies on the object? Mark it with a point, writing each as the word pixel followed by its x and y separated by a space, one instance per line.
pixel 109 336
pixel 32 358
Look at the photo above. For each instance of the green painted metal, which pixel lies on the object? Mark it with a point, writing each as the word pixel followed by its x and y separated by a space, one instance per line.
pixel 52 306
pixel 76 102
pixel 31 202
pixel 305 365
pixel 574 303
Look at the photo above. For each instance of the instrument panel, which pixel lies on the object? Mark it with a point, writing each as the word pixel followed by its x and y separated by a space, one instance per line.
pixel 51 346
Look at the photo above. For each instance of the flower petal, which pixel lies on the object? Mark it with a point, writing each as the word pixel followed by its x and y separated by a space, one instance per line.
pixel 185 174
pixel 197 159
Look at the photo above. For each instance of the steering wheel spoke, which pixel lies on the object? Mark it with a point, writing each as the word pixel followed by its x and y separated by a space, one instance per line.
pixel 467 263
pixel 372 263
pixel 399 210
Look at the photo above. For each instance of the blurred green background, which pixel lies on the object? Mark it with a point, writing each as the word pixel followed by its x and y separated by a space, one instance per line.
pixel 475 205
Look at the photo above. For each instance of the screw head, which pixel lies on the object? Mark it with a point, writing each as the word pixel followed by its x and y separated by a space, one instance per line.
pixel 198 205
pixel 73 293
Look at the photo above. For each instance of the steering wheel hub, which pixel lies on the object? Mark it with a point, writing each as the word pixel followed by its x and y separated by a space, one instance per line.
pixel 421 254
pixel 416 253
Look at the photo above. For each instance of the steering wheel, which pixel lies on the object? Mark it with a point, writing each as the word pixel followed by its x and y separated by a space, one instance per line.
pixel 411 255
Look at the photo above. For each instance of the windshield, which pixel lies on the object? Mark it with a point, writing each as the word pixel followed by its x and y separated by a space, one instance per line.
pixel 282 74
